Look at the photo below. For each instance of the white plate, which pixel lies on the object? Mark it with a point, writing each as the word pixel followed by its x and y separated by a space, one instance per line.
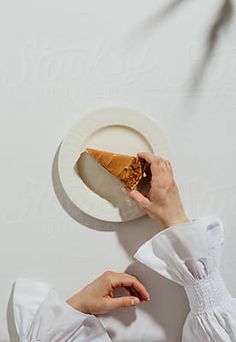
pixel 93 189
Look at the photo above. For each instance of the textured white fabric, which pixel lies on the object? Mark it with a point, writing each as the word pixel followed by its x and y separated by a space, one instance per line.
pixel 189 254
pixel 41 316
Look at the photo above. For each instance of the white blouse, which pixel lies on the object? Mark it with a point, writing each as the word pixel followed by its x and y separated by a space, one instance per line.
pixel 188 254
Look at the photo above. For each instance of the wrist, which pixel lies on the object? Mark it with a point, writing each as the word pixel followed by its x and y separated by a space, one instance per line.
pixel 76 303
pixel 174 221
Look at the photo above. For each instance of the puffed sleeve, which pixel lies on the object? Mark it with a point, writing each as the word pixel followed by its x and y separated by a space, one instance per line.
pixel 40 315
pixel 189 254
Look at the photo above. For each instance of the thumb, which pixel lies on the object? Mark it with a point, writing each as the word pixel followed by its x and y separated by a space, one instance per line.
pixel 141 200
pixel 122 302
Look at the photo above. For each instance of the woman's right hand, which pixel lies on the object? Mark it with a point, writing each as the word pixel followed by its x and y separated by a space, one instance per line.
pixel 163 202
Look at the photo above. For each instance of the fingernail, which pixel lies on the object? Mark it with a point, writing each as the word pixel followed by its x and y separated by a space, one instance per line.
pixel 134 301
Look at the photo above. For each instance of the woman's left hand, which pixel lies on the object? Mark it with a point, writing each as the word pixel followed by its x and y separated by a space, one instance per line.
pixel 97 297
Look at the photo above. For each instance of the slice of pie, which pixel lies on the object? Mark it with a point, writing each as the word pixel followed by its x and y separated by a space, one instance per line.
pixel 128 169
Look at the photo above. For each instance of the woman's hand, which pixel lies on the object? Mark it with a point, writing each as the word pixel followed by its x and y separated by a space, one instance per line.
pixel 163 201
pixel 97 297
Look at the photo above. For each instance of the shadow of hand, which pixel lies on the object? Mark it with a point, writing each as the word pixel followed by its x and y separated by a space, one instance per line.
pixel 168 305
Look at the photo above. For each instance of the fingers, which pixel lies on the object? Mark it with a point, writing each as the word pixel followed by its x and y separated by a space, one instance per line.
pixel 121 302
pixel 128 281
pixel 169 166
pixel 123 280
pixel 141 200
pixel 156 162
pixel 150 158
pixel 133 292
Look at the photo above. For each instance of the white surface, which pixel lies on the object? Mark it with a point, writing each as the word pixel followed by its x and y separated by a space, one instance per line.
pixel 61 59
pixel 88 185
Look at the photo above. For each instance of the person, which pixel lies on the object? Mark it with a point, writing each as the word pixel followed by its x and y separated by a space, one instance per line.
pixel 185 251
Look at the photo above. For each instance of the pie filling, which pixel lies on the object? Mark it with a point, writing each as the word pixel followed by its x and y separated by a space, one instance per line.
pixel 132 175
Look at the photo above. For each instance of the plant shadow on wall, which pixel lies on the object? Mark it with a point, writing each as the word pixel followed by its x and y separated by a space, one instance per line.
pixel 221 20
pixel 168 305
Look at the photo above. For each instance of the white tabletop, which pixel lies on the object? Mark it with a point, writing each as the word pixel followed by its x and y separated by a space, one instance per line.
pixel 174 61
